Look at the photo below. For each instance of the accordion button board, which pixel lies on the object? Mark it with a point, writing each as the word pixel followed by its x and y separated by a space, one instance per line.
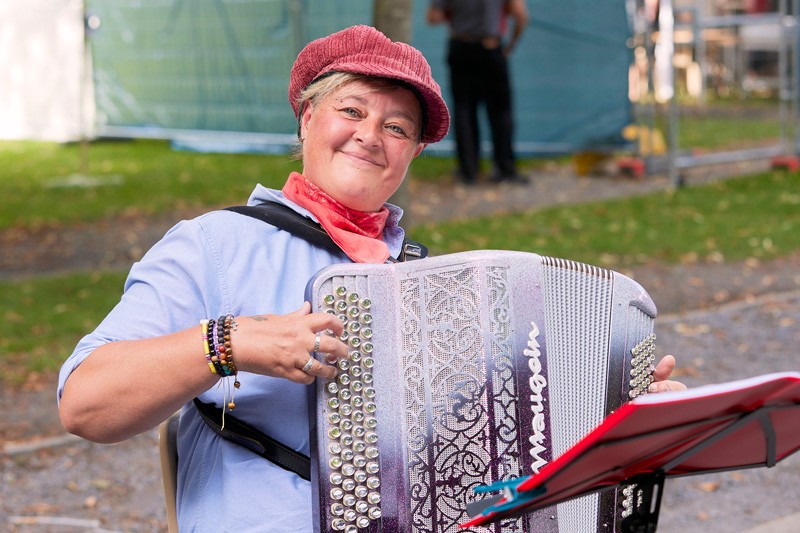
pixel 466 369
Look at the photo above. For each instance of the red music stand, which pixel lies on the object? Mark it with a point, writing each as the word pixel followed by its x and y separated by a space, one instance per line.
pixel 730 426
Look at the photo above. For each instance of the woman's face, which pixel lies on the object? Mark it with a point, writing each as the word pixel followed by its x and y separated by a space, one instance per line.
pixel 358 142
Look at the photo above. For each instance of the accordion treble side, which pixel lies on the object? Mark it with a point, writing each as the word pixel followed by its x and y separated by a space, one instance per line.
pixel 466 369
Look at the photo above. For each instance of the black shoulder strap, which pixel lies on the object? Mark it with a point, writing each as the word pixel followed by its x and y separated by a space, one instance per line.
pixel 286 218
pixel 253 439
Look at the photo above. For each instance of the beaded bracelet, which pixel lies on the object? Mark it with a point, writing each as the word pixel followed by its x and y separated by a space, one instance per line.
pixel 216 337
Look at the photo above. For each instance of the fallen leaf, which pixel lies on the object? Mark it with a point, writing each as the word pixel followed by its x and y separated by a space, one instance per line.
pixel 691 330
pixel 708 486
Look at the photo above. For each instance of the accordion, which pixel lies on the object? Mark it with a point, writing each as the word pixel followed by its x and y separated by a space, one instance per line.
pixel 467 369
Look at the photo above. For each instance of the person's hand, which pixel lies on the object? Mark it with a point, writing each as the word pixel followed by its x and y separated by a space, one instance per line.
pixel 662 373
pixel 282 345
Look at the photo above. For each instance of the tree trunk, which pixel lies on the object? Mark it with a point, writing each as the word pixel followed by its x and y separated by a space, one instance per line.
pixel 393 18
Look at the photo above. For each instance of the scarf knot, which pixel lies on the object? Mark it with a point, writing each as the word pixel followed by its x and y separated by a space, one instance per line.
pixel 357 233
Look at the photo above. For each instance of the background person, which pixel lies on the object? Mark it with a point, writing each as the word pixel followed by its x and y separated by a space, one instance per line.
pixel 477 58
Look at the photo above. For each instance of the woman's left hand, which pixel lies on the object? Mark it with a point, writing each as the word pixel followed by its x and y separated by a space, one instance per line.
pixel 661 374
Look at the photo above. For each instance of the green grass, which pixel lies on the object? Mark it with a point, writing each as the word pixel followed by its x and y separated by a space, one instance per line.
pixel 716 133
pixel 154 179
pixel 756 216
pixel 45 318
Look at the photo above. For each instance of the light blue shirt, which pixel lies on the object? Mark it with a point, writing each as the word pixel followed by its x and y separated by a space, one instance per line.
pixel 220 263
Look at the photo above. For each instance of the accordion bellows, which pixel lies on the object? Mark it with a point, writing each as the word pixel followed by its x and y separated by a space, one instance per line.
pixel 466 369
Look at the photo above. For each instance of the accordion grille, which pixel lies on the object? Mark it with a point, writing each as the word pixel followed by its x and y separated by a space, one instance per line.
pixel 576 299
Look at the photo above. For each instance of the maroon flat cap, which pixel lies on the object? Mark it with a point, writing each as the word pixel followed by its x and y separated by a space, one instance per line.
pixel 365 50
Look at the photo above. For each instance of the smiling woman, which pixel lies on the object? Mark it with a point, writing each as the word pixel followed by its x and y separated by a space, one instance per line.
pixel 220 299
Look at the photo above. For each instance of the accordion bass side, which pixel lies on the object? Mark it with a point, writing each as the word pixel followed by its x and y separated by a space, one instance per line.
pixel 467 369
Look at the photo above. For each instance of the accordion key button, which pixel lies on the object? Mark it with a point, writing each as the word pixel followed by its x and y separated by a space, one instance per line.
pixel 347 455
pixel 374 513
pixel 368 362
pixel 345 409
pixel 356 372
pixel 337 493
pixel 370 407
pixel 334 432
pixel 346 425
pixel 362 522
pixel 360 476
pixel 359 446
pixel 347 440
pixel 343 318
pixel 336 478
pixel 334 418
pixel 349 500
pixel 333 403
pixel 338 524
pixel 369 392
pixel 348 469
pixel 335 462
pixel 357 401
pixel 360 461
pixel 361 492
pixel 366 333
pixel 368 347
pixel 373 483
pixel 362 507
pixel 366 318
pixel 357 416
pixel 352 313
pixel 371 423
pixel 356 386
pixel 374 498
pixel 352 297
pixel 344 379
pixel 348 484
pixel 351 528
pixel 371 437
pixel 372 467
pixel 337 509
pixel 365 303
pixel 371 452
pixel 340 291
pixel 345 395
pixel 354 342
pixel 359 432
pixel 335 448
pixel 330 311
pixel 341 306
pixel 332 387
pixel 328 299
pixel 343 364
pixel 355 356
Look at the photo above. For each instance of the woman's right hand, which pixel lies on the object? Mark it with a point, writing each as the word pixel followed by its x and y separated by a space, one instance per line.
pixel 282 345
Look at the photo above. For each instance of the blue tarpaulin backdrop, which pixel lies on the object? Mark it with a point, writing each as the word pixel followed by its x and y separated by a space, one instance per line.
pixel 211 72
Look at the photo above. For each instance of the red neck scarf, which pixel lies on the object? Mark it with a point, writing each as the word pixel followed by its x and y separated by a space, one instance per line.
pixel 358 233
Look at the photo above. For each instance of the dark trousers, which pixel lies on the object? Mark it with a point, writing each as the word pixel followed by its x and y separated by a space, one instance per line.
pixel 481 75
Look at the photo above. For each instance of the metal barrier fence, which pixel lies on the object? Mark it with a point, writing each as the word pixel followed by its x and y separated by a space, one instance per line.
pixel 719 80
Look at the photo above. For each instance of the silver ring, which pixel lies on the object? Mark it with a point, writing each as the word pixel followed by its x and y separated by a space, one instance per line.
pixel 316 342
pixel 308 365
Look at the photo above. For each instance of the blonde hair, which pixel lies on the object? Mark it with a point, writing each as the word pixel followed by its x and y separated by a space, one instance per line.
pixel 324 86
